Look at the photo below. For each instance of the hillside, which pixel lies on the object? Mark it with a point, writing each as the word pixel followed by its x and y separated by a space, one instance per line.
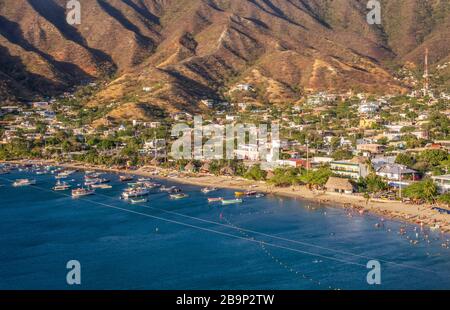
pixel 185 50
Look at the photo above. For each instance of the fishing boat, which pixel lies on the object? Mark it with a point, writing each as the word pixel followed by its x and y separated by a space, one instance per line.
pixel 125 178
pixel 178 196
pixel 138 201
pixel 135 192
pixel 96 181
pixel 80 192
pixel 24 182
pixel 61 186
pixel 211 200
pixel 207 190
pixel 231 201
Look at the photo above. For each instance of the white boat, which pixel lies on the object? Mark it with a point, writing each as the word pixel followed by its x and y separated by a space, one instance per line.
pixel 61 186
pixel 135 192
pixel 138 201
pixel 207 190
pixel 178 196
pixel 24 182
pixel 232 201
pixel 96 181
pixel 80 192
pixel 218 199
pixel 101 186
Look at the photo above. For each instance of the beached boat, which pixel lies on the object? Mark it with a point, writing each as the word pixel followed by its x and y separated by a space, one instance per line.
pixel 232 201
pixel 24 182
pixel 61 186
pixel 207 190
pixel 138 201
pixel 211 200
pixel 178 196
pixel 80 192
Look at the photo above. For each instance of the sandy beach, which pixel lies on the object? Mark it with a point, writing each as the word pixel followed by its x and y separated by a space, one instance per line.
pixel 417 214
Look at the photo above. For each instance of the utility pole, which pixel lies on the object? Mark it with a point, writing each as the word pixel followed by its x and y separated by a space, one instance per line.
pixel 426 74
pixel 307 155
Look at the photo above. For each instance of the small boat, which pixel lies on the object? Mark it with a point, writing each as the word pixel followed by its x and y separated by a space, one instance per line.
pixel 80 192
pixel 144 180
pixel 231 201
pixel 167 189
pixel 175 190
pixel 24 182
pixel 239 194
pixel 96 181
pixel 250 193
pixel 61 186
pixel 101 186
pixel 178 196
pixel 207 190
pixel 260 195
pixel 41 172
pixel 138 201
pixel 125 178
pixel 211 200
pixel 135 192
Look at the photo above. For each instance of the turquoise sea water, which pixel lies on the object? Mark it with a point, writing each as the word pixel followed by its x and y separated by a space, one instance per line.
pixel 267 243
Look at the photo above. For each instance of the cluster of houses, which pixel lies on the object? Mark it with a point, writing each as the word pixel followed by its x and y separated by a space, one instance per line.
pixel 373 142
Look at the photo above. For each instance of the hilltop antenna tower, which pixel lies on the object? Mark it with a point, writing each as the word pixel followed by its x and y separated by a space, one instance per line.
pixel 426 74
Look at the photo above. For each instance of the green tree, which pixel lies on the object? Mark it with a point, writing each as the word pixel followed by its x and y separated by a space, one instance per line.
pixel 424 190
pixel 255 173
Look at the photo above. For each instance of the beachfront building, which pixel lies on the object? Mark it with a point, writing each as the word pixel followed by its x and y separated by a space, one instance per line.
pixel 443 183
pixel 339 185
pixel 397 172
pixel 350 169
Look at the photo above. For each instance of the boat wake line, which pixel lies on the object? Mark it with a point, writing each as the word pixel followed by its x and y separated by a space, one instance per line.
pixel 249 239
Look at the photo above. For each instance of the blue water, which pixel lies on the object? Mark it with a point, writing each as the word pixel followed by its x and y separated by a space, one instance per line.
pixel 190 244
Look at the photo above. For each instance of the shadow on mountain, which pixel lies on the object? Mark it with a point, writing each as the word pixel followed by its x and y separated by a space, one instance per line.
pixel 11 31
pixel 13 67
pixel 56 15
pixel 143 12
pixel 117 15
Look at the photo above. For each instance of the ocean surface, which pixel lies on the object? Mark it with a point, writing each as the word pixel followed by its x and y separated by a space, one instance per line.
pixel 264 243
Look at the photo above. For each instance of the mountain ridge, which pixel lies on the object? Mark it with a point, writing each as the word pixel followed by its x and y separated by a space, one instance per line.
pixel 186 50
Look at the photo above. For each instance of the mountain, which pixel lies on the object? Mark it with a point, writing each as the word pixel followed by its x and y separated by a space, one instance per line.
pixel 181 51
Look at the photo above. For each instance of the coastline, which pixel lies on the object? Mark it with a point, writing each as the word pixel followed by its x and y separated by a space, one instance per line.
pixel 415 214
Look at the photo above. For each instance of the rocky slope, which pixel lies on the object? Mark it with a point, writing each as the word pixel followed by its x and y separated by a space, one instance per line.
pixel 185 50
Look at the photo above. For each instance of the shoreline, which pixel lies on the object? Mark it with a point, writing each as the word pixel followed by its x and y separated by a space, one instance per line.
pixel 415 214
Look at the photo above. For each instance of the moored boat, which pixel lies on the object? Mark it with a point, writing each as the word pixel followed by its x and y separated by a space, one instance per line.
pixel 218 199
pixel 178 196
pixel 125 178
pixel 231 201
pixel 61 186
pixel 101 186
pixel 138 201
pixel 135 192
pixel 239 194
pixel 207 190
pixel 24 182
pixel 80 192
